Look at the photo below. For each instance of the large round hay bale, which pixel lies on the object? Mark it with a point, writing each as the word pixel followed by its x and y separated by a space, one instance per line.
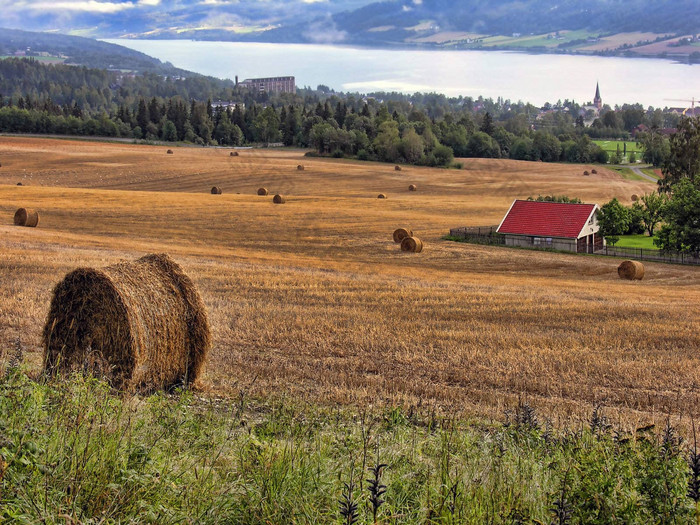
pixel 233 154
pixel 27 217
pixel 20 184
pixel 586 172
pixel 401 233
pixel 381 196
pixel 216 190
pixel 631 270
pixel 169 152
pixel 262 191
pixel 635 197
pixel 594 171
pixel 139 324
pixel 412 187
pixel 279 199
pixel 300 167
pixel 397 168
pixel 412 244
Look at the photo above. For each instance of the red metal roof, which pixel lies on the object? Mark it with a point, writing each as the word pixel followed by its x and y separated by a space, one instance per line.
pixel 546 219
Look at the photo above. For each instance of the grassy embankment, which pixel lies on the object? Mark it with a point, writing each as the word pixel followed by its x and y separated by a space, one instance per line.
pixel 72 452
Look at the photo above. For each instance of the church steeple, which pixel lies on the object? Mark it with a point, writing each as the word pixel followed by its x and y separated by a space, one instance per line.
pixel 597 101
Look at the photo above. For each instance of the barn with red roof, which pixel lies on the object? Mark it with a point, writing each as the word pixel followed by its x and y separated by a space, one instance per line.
pixel 556 225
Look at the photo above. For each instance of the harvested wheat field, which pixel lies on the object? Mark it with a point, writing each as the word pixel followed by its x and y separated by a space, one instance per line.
pixel 314 300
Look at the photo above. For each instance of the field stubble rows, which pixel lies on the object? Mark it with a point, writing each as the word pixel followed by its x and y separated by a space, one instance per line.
pixel 313 299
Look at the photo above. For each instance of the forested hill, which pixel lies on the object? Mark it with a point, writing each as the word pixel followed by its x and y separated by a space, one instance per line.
pixel 82 51
pixel 401 19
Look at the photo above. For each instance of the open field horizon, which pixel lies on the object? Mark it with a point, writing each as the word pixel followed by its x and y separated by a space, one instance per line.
pixel 312 298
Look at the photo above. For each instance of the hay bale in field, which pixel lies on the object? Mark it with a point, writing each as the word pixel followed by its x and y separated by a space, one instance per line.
pixel 262 191
pixel 140 324
pixel 216 190
pixel 586 172
pixel 381 196
pixel 300 167
pixel 635 197
pixel 233 154
pixel 631 270
pixel 169 152
pixel 412 244
pixel 20 184
pixel 594 172
pixel 26 217
pixel 397 168
pixel 279 199
pixel 401 233
pixel 412 187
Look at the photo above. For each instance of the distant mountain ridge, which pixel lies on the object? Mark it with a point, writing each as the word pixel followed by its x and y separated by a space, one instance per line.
pixel 566 26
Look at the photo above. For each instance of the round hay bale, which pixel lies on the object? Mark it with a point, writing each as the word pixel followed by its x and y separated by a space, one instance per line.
pixel 140 324
pixel 279 199
pixel 300 167
pixel 635 197
pixel 401 233
pixel 631 270
pixel 594 172
pixel 586 172
pixel 20 184
pixel 216 190
pixel 412 244
pixel 233 154
pixel 412 187
pixel 169 152
pixel 381 196
pixel 262 191
pixel 27 217
pixel 397 168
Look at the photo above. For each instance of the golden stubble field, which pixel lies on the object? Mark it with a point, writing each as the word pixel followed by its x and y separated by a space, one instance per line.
pixel 313 300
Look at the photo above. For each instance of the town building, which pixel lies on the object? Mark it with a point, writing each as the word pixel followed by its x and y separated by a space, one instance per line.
pixel 556 225
pixel 270 85
pixel 597 100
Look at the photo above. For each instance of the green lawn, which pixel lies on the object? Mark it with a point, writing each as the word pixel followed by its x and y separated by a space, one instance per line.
pixel 611 146
pixel 627 173
pixel 637 241
pixel 651 172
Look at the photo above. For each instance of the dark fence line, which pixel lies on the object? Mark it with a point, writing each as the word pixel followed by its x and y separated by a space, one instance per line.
pixel 649 255
pixel 479 235
pixel 489 235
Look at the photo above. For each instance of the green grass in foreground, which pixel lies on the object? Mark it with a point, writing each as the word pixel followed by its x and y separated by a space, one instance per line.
pixel 637 241
pixel 71 451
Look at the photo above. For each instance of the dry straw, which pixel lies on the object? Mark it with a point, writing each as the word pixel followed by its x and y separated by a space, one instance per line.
pixel 216 190
pixel 631 270
pixel 140 324
pixel 397 168
pixel 412 244
pixel 279 199
pixel 169 152
pixel 300 167
pixel 401 233
pixel 262 191
pixel 412 187
pixel 381 196
pixel 27 217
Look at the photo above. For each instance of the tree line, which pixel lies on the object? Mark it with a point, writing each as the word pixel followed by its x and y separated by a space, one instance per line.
pixel 427 129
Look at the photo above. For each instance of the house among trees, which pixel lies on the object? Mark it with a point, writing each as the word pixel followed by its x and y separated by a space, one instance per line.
pixel 556 225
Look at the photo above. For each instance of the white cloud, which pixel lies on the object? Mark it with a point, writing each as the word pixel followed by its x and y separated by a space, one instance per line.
pixel 325 32
pixel 88 6
pixel 149 2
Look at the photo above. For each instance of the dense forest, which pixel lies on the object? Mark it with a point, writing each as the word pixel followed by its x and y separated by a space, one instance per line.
pixel 425 129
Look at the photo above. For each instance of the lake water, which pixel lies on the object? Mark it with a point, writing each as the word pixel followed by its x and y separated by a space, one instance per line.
pixel 515 76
